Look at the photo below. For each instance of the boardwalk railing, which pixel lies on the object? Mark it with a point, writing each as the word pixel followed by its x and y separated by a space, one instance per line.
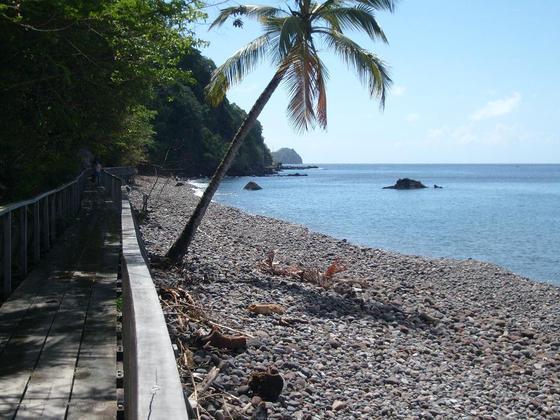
pixel 30 227
pixel 151 379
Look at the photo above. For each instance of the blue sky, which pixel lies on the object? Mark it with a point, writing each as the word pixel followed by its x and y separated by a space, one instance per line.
pixel 475 81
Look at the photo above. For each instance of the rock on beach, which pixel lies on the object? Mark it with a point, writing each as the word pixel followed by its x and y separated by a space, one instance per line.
pixel 421 338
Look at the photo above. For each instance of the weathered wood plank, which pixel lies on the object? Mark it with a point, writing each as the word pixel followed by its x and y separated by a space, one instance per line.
pixel 36 233
pixel 45 224
pixel 52 217
pixel 7 254
pixel 94 391
pixel 151 374
pixel 50 384
pixel 20 355
pixel 23 241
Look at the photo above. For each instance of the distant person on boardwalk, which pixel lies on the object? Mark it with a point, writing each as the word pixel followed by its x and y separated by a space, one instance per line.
pixel 97 172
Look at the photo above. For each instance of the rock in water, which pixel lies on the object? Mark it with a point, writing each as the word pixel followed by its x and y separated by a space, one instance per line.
pixel 406 184
pixel 252 186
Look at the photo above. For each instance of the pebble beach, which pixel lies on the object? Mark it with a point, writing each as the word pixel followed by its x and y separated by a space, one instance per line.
pixel 396 336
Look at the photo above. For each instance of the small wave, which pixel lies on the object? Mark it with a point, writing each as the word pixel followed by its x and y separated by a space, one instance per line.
pixel 199 187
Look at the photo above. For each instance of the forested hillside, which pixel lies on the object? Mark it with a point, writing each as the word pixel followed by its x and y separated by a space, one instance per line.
pixel 192 137
pixel 114 80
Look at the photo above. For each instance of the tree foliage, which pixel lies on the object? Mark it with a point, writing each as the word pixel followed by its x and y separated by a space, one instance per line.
pixel 290 39
pixel 78 75
pixel 191 136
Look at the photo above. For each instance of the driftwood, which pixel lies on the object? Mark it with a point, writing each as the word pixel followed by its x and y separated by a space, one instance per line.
pixel 217 339
pixel 312 275
pixel 266 308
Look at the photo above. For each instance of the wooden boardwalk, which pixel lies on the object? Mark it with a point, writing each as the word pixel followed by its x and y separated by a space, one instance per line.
pixel 58 328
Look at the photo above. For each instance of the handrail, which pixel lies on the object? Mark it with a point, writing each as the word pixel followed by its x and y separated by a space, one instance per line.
pixel 152 385
pixel 50 213
pixel 18 204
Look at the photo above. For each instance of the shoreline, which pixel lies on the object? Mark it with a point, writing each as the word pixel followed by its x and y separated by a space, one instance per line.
pixel 426 337
pixel 198 189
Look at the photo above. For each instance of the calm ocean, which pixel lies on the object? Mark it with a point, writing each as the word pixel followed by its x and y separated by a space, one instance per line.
pixel 505 214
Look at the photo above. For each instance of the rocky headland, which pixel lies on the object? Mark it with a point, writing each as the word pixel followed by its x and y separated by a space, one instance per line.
pixel 394 336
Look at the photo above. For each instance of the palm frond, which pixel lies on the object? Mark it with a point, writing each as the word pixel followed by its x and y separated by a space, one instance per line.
pixel 251 11
pixel 236 68
pixel 291 31
pixel 306 85
pixel 388 5
pixel 321 104
pixel 359 17
pixel 371 70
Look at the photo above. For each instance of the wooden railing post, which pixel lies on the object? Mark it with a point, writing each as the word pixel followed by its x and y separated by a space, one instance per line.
pixel 52 217
pixel 51 211
pixel 23 241
pixel 36 232
pixel 7 257
pixel 45 224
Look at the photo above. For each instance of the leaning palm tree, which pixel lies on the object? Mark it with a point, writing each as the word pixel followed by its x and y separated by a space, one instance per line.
pixel 291 39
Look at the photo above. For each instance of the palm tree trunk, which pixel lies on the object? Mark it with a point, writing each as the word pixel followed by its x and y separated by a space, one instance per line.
pixel 181 245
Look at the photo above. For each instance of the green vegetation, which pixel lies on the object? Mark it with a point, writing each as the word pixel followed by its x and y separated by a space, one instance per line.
pixel 116 80
pixel 77 75
pixel 192 136
pixel 290 37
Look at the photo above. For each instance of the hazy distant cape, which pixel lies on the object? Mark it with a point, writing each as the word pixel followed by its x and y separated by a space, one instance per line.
pixel 288 156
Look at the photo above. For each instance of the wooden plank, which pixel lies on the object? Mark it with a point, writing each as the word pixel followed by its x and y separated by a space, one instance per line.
pixel 49 386
pixel 36 233
pixel 7 255
pixel 20 355
pixel 23 241
pixel 14 206
pixel 52 217
pixel 45 224
pixel 154 387
pixel 94 390
pixel 58 328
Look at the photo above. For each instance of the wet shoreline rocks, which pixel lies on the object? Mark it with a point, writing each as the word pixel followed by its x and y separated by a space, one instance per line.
pixel 421 338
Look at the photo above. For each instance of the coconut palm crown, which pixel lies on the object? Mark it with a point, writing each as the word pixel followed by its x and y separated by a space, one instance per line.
pixel 290 40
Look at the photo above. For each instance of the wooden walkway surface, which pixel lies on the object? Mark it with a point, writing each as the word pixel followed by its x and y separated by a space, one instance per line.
pixel 58 328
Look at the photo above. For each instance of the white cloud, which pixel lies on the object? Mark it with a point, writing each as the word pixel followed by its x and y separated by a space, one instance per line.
pixel 399 90
pixel 472 134
pixel 497 108
pixel 412 117
pixel 436 133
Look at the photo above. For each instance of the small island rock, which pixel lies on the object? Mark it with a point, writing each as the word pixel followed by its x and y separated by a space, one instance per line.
pixel 406 184
pixel 252 186
pixel 285 155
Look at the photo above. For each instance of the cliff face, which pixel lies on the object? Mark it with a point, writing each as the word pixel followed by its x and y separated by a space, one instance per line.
pixel 287 156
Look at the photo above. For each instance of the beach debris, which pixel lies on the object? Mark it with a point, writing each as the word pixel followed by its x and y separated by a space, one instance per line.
pixel 230 342
pixel 252 186
pixel 268 385
pixel 312 275
pixel 208 380
pixel 290 322
pixel 266 308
